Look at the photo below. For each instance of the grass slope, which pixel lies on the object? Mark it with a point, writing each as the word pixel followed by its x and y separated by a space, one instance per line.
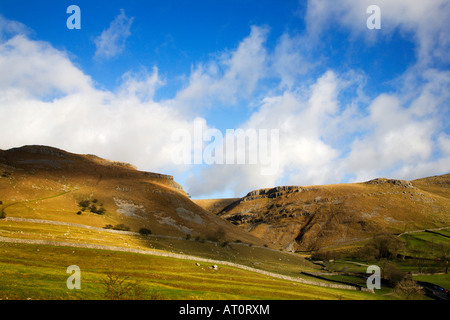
pixel 311 218
pixel 39 272
pixel 46 183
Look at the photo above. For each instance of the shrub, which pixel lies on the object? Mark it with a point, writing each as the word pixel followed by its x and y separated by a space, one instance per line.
pixel 84 203
pixel 323 255
pixel 393 274
pixel 382 246
pixel 145 231
pixel 217 236
pixel 93 208
pixel 367 253
pixel 79 213
pixel 154 295
pixel 408 289
pixel 121 227
pixel 118 287
pixel 387 245
pixel 108 226
pixel 100 211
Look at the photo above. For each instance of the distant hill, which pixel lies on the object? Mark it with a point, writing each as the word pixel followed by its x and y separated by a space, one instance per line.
pixel 314 217
pixel 41 182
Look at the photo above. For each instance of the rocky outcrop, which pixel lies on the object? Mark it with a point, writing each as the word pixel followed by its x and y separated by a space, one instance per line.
pixel 158 175
pixel 395 182
pixel 314 217
pixel 272 192
pixel 42 150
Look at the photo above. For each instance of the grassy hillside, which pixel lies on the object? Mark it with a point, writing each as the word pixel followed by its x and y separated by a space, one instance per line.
pixel 311 218
pixel 439 185
pixel 47 183
pixel 39 272
pixel 238 252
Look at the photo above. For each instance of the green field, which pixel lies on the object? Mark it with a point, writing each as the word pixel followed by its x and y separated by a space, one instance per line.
pixel 32 271
pixel 442 280
pixel 241 253
pixel 39 272
pixel 445 232
pixel 426 244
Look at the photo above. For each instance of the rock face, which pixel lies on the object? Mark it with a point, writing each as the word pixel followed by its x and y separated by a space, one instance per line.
pixel 272 192
pixel 395 182
pixel 49 159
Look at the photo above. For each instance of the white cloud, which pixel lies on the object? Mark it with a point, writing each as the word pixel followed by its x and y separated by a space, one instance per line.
pixel 427 21
pixel 9 27
pixel 397 140
pixel 37 69
pixel 303 155
pixel 112 40
pixel 47 100
pixel 394 137
pixel 444 144
pixel 289 60
pixel 233 76
pixel 141 85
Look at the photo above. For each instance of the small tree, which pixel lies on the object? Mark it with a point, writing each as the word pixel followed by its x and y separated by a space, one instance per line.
pixel 367 253
pixel 121 227
pixel 323 255
pixel 386 246
pixel 444 252
pixel 118 287
pixel 408 289
pixel 392 273
pixel 217 236
pixel 100 211
pixel 145 231
pixel 420 264
pixel 84 204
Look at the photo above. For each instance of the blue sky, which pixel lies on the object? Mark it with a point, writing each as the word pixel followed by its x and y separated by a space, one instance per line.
pixel 350 103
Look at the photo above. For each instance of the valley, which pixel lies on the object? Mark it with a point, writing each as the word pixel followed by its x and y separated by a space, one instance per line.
pixel 291 242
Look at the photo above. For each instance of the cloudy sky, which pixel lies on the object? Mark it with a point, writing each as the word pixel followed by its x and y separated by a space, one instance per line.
pixel 350 103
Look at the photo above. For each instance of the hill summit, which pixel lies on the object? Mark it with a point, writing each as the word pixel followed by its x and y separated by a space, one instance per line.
pixel 41 182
